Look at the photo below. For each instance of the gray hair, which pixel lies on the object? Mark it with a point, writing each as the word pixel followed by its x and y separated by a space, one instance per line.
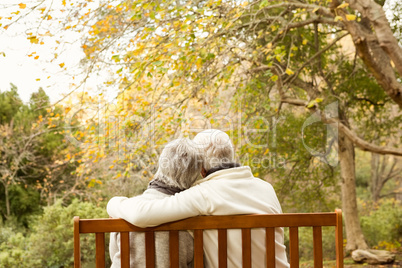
pixel 179 164
pixel 216 147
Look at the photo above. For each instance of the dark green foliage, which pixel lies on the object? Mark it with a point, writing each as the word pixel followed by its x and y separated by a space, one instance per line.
pixel 50 240
pixel 30 146
pixel 381 223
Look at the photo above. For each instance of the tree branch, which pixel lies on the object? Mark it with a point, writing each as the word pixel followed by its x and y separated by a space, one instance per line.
pixel 375 13
pixel 357 141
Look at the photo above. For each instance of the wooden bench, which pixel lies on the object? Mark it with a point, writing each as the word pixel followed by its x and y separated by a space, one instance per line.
pixel 222 223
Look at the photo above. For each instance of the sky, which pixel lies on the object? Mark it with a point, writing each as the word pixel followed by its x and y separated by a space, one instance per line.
pixel 28 73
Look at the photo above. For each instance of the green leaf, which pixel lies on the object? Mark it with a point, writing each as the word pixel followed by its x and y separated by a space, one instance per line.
pixel 116 58
pixel 264 4
pixel 158 63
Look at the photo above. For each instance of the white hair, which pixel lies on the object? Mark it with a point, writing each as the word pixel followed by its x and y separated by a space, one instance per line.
pixel 179 164
pixel 216 147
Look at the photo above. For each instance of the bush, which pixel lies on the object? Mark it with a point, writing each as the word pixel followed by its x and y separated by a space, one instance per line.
pixel 12 248
pixel 50 242
pixel 381 223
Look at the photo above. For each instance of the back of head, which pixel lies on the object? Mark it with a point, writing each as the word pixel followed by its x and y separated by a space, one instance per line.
pixel 180 164
pixel 215 146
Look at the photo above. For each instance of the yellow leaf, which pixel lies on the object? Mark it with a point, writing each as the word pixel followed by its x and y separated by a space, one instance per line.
pixel 289 72
pixel 22 6
pixel 33 39
pixel 37 79
pixel 338 18
pixel 350 17
pixel 61 65
pixel 343 5
pixel 392 64
pixel 278 58
pixel 305 41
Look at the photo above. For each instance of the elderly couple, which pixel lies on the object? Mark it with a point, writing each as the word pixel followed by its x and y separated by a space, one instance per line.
pixel 174 194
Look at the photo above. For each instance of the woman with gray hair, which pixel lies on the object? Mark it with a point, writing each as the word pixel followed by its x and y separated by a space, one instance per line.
pixel 178 168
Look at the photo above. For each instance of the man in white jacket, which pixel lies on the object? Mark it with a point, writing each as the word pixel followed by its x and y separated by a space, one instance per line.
pixel 227 189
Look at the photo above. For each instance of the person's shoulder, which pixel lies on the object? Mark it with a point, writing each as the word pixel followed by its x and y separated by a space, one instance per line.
pixel 152 194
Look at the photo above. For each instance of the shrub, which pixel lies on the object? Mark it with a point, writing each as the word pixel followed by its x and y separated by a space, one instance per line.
pixel 381 223
pixel 50 241
pixel 12 248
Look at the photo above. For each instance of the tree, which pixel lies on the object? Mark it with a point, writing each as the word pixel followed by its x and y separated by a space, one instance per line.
pixel 33 168
pixel 186 53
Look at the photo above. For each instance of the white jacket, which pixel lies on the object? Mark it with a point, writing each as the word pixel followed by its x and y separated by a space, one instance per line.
pixel 225 192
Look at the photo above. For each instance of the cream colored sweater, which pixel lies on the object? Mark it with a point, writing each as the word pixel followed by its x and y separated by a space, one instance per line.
pixel 225 192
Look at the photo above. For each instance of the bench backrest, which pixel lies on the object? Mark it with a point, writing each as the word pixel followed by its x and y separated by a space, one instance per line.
pixel 221 223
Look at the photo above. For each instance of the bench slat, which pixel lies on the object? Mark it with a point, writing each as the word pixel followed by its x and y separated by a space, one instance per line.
pixel 77 247
pixel 317 243
pixel 339 239
pixel 270 246
pixel 125 249
pixel 294 247
pixel 150 249
pixel 246 247
pixel 198 249
pixel 214 222
pixel 174 248
pixel 100 249
pixel 222 248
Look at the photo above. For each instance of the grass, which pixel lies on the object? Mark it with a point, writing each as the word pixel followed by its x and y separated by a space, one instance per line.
pixel 349 263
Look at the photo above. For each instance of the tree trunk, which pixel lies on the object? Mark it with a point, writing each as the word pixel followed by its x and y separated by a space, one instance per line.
pixel 354 234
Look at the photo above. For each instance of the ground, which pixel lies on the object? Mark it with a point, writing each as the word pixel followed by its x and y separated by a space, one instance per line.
pixel 348 263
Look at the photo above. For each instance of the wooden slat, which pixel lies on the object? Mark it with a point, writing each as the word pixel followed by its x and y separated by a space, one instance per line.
pixel 150 249
pixel 339 239
pixel 100 249
pixel 223 248
pixel 246 247
pixel 294 247
pixel 125 249
pixel 317 243
pixel 198 249
pixel 77 249
pixel 215 222
pixel 270 246
pixel 174 248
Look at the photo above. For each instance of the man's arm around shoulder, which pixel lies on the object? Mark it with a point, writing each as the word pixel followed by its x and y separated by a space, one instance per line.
pixel 148 213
